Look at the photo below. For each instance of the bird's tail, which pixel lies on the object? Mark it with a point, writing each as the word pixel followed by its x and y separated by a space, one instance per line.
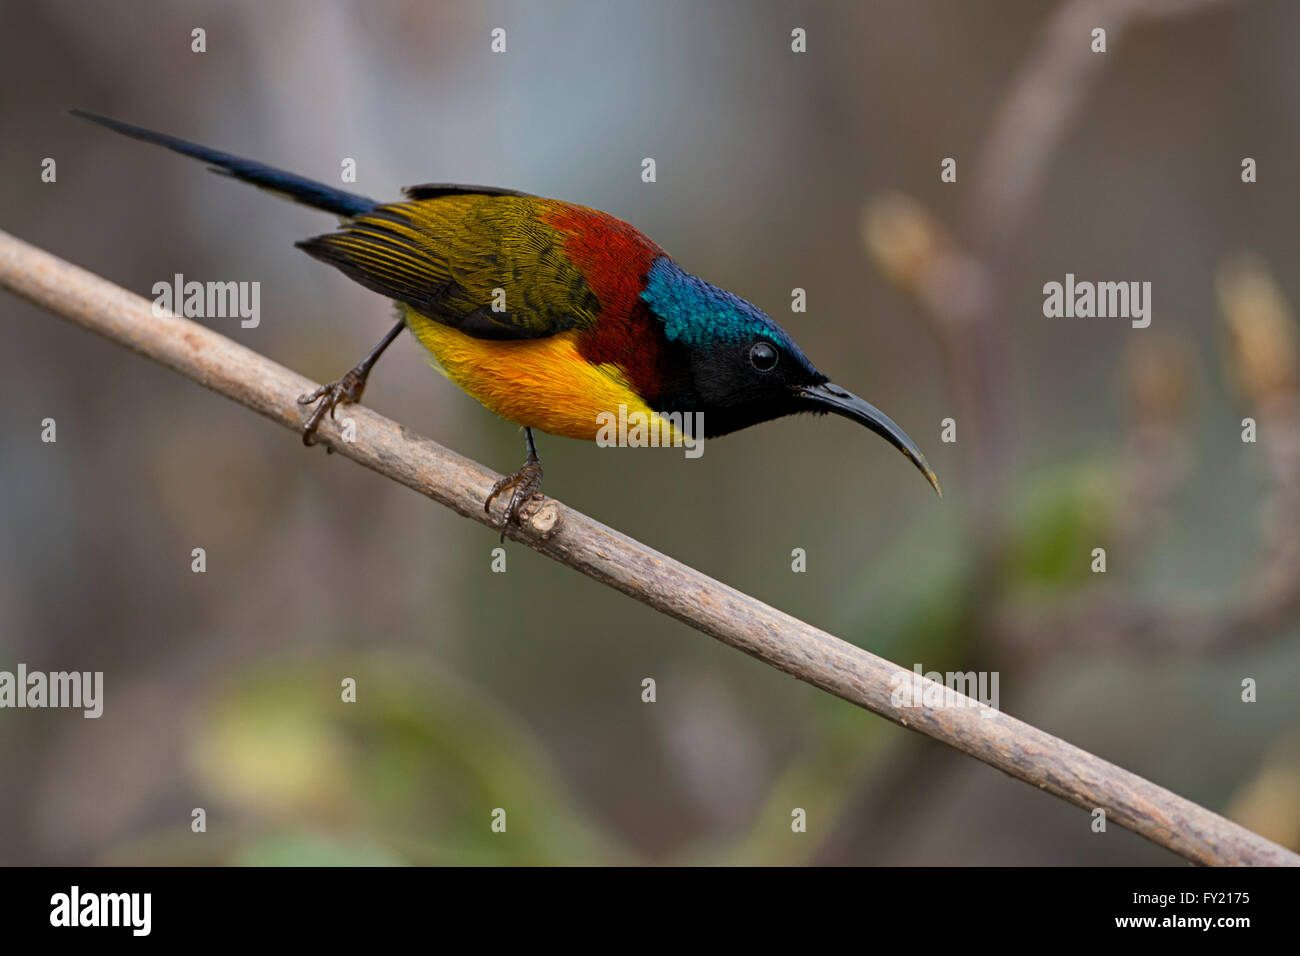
pixel 297 188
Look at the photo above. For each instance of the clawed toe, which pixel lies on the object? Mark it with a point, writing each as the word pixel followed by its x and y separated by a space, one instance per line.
pixel 327 398
pixel 524 496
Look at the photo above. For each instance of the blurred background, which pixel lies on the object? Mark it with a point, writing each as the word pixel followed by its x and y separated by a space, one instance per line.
pixel 776 170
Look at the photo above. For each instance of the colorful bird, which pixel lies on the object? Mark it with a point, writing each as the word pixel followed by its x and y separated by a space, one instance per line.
pixel 553 315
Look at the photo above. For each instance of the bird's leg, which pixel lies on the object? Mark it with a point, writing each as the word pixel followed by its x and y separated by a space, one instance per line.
pixel 523 485
pixel 346 390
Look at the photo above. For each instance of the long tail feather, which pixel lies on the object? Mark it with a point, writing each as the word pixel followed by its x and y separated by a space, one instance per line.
pixel 297 188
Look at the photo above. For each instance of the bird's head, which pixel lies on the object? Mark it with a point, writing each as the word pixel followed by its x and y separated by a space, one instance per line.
pixel 742 368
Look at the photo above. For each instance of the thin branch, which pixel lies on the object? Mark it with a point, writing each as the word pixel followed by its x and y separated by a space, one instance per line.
pixel 777 639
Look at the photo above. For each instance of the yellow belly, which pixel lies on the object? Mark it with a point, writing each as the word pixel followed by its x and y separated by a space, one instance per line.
pixel 541 383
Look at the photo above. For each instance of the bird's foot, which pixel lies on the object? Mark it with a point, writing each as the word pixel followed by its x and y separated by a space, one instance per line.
pixel 327 398
pixel 525 499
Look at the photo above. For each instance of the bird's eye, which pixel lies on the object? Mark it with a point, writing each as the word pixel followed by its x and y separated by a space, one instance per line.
pixel 762 356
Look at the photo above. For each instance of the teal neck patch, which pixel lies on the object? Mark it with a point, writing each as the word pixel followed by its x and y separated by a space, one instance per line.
pixel 699 314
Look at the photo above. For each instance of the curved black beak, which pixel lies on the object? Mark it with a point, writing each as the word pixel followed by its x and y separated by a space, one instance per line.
pixel 832 398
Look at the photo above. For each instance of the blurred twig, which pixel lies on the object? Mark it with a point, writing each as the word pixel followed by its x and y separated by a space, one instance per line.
pixel 681 592
pixel 1264 362
pixel 958 277
pixel 962 285
pixel 1042 102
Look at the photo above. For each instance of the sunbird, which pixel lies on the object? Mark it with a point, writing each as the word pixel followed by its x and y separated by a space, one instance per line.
pixel 553 315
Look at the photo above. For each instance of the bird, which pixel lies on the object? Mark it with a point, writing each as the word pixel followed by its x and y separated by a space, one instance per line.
pixel 553 315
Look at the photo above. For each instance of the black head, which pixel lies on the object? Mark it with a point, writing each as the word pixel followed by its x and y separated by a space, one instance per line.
pixel 739 368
